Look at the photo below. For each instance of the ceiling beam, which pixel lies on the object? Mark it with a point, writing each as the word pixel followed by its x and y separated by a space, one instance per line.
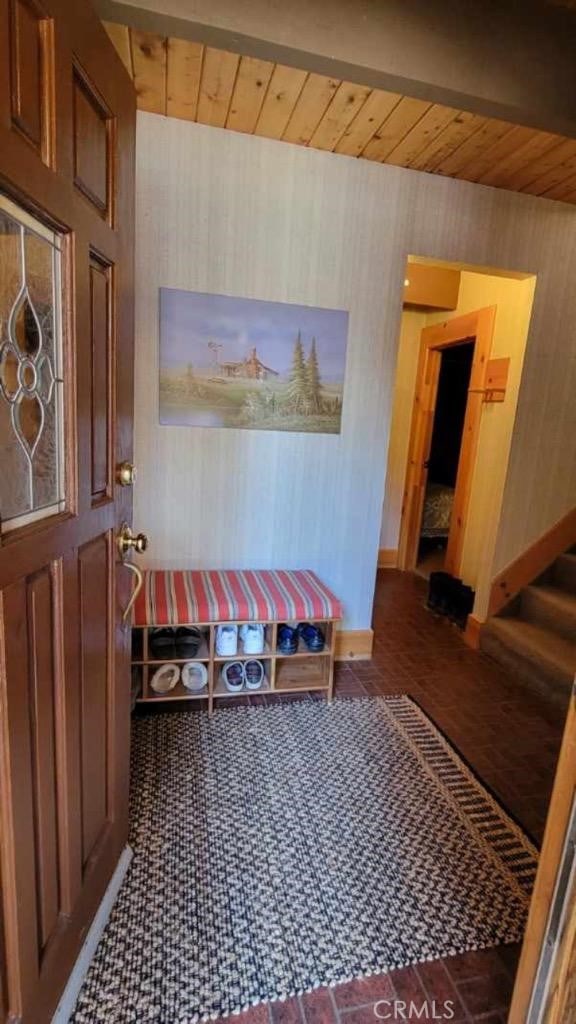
pixel 513 61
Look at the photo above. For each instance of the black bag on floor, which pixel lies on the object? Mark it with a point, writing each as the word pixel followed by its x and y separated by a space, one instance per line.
pixel 451 597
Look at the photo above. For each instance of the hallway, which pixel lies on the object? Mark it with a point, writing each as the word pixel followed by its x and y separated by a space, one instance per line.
pixel 506 733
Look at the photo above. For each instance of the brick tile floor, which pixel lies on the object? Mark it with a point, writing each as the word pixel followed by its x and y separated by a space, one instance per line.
pixel 508 735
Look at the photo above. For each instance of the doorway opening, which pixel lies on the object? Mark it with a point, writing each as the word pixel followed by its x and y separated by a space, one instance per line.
pixel 448 310
pixel 441 467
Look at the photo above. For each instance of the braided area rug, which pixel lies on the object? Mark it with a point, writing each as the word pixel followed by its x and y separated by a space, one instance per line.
pixel 284 847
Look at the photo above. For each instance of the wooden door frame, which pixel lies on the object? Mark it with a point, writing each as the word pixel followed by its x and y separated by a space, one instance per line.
pixel 557 824
pixel 479 326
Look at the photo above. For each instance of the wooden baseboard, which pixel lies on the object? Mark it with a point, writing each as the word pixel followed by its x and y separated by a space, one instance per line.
pixel 354 644
pixel 528 566
pixel 387 558
pixel 472 632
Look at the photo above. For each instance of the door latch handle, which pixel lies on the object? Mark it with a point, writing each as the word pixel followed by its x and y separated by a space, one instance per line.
pixel 127 541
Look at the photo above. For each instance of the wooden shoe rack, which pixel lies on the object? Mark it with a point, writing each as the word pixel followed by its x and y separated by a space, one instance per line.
pixel 285 673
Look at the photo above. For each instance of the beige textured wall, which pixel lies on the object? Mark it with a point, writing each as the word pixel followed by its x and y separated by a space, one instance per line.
pixel 230 213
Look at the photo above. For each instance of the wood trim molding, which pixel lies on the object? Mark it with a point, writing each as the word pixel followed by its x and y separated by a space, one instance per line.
pixel 532 562
pixel 479 326
pixel 560 1004
pixel 387 558
pixel 354 644
pixel 563 795
pixel 472 632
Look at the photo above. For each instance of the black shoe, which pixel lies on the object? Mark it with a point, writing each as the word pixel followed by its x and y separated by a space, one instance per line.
pixel 188 640
pixel 287 639
pixel 163 643
pixel 312 636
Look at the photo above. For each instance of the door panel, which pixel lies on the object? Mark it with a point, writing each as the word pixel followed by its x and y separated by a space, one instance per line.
pixel 31 69
pixel 94 605
pixel 3 984
pixel 102 359
pixel 67 119
pixel 42 644
pixel 20 855
pixel 93 144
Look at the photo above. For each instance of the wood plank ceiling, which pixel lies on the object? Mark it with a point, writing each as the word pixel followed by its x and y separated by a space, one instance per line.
pixel 184 79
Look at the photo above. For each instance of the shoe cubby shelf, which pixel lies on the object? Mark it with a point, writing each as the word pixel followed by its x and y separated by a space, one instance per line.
pixel 284 673
pixel 203 654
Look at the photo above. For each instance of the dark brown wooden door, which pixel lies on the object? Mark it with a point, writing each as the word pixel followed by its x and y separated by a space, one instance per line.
pixel 67 116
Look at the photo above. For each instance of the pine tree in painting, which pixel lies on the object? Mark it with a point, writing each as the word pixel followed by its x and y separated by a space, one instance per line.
pixel 313 379
pixel 191 384
pixel 297 390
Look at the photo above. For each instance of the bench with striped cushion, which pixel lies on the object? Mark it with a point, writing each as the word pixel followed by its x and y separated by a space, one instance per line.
pixel 185 597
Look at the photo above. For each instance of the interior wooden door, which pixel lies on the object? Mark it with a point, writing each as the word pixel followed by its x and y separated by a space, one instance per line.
pixel 67 117
pixel 479 326
pixel 419 454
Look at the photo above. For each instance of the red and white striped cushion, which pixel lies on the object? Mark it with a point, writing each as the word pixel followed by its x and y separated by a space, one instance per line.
pixel 184 597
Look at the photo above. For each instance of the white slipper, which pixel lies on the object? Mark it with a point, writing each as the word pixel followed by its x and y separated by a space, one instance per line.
pixel 194 676
pixel 254 674
pixel 165 678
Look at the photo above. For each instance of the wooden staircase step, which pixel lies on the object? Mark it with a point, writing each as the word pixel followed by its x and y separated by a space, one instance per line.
pixel 544 659
pixel 550 607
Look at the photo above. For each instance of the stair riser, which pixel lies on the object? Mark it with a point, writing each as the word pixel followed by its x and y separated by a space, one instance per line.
pixel 564 573
pixel 537 608
pixel 549 682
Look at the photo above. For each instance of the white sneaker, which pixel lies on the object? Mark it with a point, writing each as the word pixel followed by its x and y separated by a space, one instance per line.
pixel 252 637
pixel 165 678
pixel 226 641
pixel 194 676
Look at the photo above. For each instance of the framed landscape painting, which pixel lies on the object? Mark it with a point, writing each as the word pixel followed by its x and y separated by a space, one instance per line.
pixel 231 362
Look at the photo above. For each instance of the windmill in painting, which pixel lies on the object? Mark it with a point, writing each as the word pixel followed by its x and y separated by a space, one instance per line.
pixel 230 362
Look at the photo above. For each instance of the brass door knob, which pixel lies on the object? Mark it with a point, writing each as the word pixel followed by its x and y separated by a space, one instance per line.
pixel 127 540
pixel 126 474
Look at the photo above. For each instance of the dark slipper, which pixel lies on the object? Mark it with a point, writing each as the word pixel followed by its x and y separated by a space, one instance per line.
pixel 188 640
pixel 287 639
pixel 312 636
pixel 163 643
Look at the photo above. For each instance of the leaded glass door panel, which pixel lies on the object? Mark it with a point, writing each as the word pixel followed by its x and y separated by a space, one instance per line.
pixel 31 370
